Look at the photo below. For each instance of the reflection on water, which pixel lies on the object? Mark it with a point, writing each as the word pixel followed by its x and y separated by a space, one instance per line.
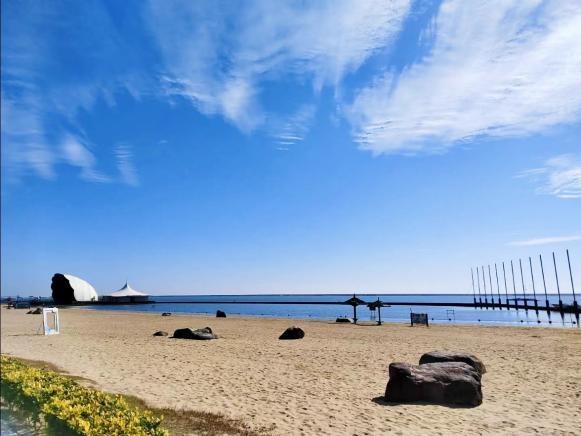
pixel 18 416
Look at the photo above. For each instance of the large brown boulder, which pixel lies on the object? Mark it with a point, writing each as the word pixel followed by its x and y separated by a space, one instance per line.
pixel 293 333
pixel 448 356
pixel 448 383
pixel 204 334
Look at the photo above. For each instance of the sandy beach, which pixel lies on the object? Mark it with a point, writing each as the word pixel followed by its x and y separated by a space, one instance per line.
pixel 331 382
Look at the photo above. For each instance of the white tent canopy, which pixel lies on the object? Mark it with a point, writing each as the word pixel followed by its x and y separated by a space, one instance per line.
pixel 127 291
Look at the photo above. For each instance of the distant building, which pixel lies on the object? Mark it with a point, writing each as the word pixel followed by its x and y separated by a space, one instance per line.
pixel 68 289
pixel 125 295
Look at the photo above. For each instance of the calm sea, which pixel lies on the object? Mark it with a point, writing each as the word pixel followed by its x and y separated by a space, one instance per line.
pixel 238 305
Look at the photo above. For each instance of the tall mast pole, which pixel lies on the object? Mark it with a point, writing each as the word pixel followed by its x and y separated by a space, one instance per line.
pixel 575 305
pixel 505 287
pixel 522 279
pixel 497 286
pixel 558 288
pixel 490 283
pixel 479 294
pixel 473 288
pixel 545 288
pixel 533 281
pixel 513 284
pixel 484 282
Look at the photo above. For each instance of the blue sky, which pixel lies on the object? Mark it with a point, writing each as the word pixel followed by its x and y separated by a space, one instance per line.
pixel 253 147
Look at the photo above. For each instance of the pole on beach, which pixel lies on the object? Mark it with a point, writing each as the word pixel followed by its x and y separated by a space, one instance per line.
pixel 505 287
pixel 490 283
pixel 545 288
pixel 513 285
pixel 497 286
pixel 378 311
pixel 558 288
pixel 522 279
pixel 473 288
pixel 534 290
pixel 485 294
pixel 479 294
pixel 575 305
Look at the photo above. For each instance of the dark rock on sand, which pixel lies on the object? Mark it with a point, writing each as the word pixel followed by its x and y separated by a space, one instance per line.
pixel 448 356
pixel 36 311
pixel 449 383
pixel 344 320
pixel 220 314
pixel 293 333
pixel 166 314
pixel 204 334
pixel 160 333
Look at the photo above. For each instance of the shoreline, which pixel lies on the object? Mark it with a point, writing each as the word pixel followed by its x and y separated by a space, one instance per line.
pixel 367 323
pixel 330 382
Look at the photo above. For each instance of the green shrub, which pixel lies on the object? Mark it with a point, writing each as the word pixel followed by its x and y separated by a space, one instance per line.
pixel 83 409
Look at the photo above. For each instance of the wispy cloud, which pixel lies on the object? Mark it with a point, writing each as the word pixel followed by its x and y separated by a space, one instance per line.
pixel 76 153
pixel 59 61
pixel 545 241
pixel 560 176
pixel 495 69
pixel 56 64
pixel 294 128
pixel 125 165
pixel 24 146
pixel 217 54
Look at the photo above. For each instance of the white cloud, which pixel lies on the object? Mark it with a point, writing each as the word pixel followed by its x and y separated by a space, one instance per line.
pixel 545 241
pixel 125 165
pixel 217 54
pixel 76 153
pixel 561 176
pixel 50 77
pixel 497 69
pixel 24 145
pixel 294 128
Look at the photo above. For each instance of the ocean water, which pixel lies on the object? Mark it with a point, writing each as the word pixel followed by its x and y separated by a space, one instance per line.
pixel 282 305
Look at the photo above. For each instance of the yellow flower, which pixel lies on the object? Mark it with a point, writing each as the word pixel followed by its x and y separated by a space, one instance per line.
pixel 85 410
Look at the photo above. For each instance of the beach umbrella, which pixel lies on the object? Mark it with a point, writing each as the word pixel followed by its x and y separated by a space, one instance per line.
pixel 377 305
pixel 354 301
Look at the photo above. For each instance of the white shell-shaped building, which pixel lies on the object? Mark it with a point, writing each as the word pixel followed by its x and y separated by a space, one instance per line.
pixel 68 289
pixel 83 290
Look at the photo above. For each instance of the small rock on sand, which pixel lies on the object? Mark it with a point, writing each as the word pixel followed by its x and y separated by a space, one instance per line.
pixel 204 334
pixel 160 333
pixel 220 314
pixel 293 332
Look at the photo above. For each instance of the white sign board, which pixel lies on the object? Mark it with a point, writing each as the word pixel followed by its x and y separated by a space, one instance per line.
pixel 48 314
